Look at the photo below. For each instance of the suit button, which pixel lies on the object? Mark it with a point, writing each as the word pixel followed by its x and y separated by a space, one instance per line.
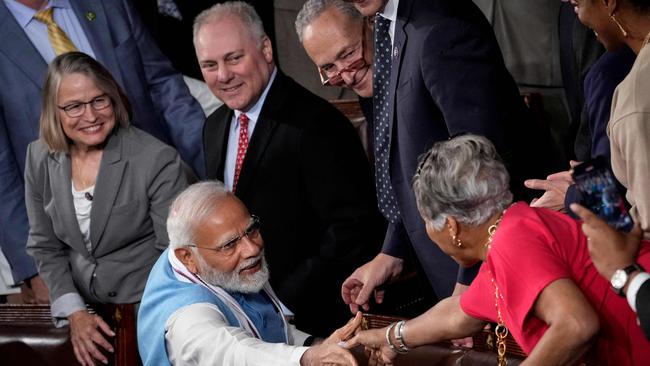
pixel 94 275
pixel 112 294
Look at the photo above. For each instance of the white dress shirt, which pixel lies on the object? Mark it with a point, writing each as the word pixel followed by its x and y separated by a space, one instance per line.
pixel 199 334
pixel 390 13
pixel 233 135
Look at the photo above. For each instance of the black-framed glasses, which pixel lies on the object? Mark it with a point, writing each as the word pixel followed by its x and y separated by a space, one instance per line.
pixel 252 232
pixel 76 109
pixel 335 78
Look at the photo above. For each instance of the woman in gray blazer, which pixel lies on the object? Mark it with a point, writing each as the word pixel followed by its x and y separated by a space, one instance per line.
pixel 97 193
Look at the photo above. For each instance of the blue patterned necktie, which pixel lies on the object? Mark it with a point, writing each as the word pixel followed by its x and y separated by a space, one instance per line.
pixel 381 105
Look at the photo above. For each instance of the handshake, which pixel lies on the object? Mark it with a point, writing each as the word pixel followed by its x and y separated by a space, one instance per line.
pixel 335 350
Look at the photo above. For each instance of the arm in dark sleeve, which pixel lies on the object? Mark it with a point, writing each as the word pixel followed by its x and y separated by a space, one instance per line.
pixel 182 113
pixel 14 225
pixel 339 188
pixel 467 80
pixel 396 241
pixel 601 81
pixel 464 74
pixel 643 307
pixel 467 275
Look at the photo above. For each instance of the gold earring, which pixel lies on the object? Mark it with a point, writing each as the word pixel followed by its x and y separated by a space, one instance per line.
pixel 454 237
pixel 457 241
pixel 620 27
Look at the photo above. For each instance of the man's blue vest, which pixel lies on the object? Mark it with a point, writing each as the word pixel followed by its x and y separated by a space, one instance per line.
pixel 164 294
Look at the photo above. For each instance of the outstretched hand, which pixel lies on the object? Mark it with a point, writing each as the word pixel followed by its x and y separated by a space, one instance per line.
pixel 555 187
pixel 375 341
pixel 345 332
pixel 357 289
pixel 328 354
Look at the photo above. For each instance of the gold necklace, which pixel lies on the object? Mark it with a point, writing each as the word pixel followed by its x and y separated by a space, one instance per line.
pixel 493 229
pixel 500 330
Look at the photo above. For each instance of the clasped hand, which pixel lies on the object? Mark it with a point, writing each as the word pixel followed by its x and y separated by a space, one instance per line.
pixel 330 351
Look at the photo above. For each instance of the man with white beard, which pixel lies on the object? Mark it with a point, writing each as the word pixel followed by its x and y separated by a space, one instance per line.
pixel 207 299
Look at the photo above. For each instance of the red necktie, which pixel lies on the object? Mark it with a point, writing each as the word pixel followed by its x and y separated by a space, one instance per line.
pixel 241 150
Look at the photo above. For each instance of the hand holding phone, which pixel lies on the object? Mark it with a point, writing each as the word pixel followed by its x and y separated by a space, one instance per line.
pixel 595 181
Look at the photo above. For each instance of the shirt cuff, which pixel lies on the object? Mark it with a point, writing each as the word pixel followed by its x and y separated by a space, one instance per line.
pixel 296 355
pixel 296 336
pixel 64 306
pixel 634 287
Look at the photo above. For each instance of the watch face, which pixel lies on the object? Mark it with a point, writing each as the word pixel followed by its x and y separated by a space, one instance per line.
pixel 619 279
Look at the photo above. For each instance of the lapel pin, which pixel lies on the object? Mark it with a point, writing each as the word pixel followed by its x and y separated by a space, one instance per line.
pixel 395 52
pixel 91 16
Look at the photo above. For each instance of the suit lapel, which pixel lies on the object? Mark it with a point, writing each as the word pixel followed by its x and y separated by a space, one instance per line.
pixel 399 43
pixel 19 49
pixel 109 179
pixel 215 141
pixel 264 130
pixel 60 176
pixel 94 21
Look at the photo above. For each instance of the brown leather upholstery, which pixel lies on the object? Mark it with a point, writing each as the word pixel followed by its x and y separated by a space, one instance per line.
pixel 28 336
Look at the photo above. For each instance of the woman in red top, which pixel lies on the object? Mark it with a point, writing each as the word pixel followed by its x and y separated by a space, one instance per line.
pixel 537 279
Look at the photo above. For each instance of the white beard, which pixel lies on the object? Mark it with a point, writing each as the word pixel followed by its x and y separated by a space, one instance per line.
pixel 233 281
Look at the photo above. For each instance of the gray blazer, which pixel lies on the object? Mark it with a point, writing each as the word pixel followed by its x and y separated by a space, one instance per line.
pixel 138 178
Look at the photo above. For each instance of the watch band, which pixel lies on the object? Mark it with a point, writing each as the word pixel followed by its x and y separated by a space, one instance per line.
pixel 627 270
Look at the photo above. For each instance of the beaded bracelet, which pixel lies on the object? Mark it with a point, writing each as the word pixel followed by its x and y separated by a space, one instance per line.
pixel 399 335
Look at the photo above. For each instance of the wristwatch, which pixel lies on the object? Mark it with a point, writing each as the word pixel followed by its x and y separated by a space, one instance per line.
pixel 621 276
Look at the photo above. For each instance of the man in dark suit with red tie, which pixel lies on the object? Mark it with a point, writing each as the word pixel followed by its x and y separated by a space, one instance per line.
pixel 294 161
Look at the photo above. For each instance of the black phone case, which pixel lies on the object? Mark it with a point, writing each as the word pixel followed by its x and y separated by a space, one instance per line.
pixel 595 181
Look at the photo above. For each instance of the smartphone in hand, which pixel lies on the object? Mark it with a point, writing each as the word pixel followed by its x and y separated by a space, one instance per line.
pixel 595 181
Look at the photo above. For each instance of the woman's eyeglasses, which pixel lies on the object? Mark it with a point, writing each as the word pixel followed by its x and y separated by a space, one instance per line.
pixel 76 109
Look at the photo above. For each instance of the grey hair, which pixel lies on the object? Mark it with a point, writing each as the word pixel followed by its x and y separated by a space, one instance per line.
pixel 463 178
pixel 312 9
pixel 239 9
pixel 191 208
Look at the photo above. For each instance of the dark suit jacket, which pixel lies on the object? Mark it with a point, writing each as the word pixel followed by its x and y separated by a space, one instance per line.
pixel 601 81
pixel 162 103
pixel 306 176
pixel 138 178
pixel 643 307
pixel 448 77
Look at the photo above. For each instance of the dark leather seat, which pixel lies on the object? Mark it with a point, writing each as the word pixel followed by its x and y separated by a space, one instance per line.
pixel 28 336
